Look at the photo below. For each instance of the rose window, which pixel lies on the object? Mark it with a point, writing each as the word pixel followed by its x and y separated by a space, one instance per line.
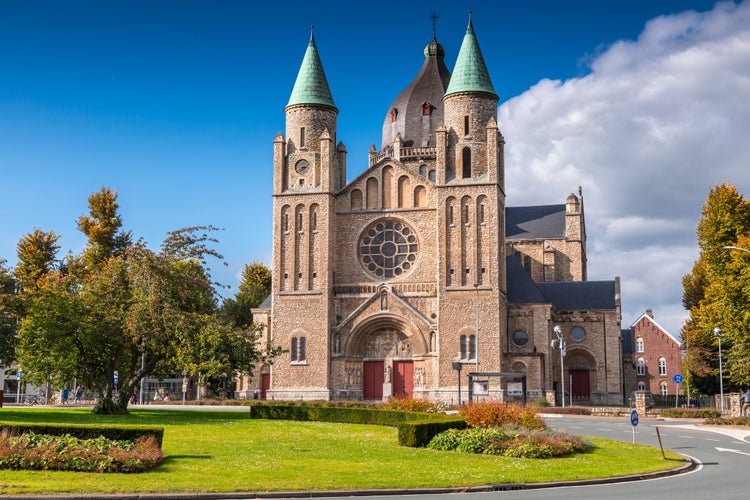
pixel 388 248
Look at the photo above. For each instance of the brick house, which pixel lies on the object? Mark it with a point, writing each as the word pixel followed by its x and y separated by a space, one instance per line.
pixel 652 356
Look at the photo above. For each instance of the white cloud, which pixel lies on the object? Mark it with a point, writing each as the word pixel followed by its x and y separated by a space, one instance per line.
pixel 656 122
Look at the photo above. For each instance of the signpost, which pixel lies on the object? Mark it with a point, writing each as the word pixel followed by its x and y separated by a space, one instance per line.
pixel 634 421
pixel 677 381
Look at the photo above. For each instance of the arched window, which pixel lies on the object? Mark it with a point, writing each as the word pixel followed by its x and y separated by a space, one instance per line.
pixel 431 175
pixel 663 388
pixel 466 158
pixel 372 193
pixel 404 189
pixel 314 218
pixel 285 218
pixel 640 367
pixel 464 348
pixel 294 349
pixel 356 199
pixel 420 196
pixel 299 218
pixel 472 347
pixel 662 367
pixel 299 349
pixel 641 386
pixel 639 345
pixel 423 170
pixel 387 187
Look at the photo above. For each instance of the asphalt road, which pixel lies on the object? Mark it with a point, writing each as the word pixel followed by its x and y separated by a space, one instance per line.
pixel 723 472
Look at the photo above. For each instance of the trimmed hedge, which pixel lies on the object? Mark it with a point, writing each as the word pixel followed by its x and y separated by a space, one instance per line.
pixel 346 415
pixel 690 413
pixel 115 433
pixel 419 433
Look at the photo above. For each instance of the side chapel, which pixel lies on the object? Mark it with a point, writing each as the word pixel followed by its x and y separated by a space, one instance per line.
pixel 381 285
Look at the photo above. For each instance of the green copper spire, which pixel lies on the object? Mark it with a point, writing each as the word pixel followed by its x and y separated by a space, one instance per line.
pixel 311 86
pixel 470 73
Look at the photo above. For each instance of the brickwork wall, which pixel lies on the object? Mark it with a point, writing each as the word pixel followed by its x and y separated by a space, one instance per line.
pixel 657 344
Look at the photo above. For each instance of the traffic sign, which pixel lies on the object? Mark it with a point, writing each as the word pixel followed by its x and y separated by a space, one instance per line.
pixel 117 377
pixel 633 418
pixel 677 378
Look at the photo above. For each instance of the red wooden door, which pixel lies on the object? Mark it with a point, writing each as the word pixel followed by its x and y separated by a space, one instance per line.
pixel 403 379
pixel 580 387
pixel 372 380
pixel 265 384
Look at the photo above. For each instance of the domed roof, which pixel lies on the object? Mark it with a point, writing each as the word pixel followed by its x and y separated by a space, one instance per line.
pixel 418 109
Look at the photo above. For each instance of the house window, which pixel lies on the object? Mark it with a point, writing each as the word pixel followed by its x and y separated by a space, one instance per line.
pixel 640 367
pixel 299 350
pixel 577 333
pixel 639 345
pixel 641 386
pixel 423 170
pixel 468 347
pixel 466 125
pixel 662 367
pixel 663 388
pixel 466 157
pixel 302 137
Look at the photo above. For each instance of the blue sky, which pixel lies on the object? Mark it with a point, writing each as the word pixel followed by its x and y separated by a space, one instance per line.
pixel 175 104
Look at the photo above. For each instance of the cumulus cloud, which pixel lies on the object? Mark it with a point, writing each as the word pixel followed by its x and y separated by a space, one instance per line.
pixel 646 132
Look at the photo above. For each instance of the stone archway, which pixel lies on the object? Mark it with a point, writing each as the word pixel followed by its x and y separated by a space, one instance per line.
pixel 581 367
pixel 381 349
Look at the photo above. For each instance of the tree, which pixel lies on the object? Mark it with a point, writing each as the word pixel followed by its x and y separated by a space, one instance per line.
pixel 122 307
pixel 717 293
pixel 255 286
pixel 102 228
pixel 8 315
pixel 37 258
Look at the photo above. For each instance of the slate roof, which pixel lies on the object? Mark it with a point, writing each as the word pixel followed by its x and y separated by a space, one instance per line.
pixel 311 85
pixel 470 72
pixel 564 295
pixel 627 345
pixel 537 222
pixel 266 304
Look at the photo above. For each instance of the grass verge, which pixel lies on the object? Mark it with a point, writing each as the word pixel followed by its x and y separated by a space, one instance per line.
pixel 223 451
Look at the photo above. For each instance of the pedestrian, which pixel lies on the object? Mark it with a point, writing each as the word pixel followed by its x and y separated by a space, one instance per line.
pixel 745 399
pixel 65 395
pixel 79 394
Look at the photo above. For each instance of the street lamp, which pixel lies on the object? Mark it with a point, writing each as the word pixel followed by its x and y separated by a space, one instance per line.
pixel 717 333
pixel 560 343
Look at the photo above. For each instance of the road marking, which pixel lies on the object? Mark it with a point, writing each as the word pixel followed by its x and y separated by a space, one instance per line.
pixel 710 439
pixel 733 451
pixel 687 437
pixel 604 430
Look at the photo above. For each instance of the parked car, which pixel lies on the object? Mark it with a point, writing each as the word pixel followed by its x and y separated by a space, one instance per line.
pixel 649 399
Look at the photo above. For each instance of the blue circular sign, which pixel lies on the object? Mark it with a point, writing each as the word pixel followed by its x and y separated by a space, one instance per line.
pixel 633 418
pixel 677 379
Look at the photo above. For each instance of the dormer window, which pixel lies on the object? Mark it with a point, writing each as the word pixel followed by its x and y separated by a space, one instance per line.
pixel 394 114
pixel 426 109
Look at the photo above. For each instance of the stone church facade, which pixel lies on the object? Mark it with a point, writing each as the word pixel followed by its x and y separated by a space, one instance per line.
pixel 384 285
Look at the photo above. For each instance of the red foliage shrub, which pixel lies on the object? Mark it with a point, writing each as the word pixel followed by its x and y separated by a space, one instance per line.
pixel 495 414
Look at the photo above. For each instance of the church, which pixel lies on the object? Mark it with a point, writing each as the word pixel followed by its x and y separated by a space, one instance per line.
pixel 415 275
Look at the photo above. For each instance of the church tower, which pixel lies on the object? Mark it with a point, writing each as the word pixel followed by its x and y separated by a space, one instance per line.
pixel 308 170
pixel 471 219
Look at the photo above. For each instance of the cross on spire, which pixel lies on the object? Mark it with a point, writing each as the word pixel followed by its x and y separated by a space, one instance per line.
pixel 434 17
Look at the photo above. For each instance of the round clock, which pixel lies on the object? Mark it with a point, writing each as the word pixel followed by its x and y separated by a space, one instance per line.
pixel 302 167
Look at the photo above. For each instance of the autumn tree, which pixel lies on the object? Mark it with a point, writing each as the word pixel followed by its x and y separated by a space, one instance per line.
pixel 717 293
pixel 255 286
pixel 120 307
pixel 8 315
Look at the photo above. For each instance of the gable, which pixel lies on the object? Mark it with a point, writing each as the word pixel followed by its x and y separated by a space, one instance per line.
pixel 535 222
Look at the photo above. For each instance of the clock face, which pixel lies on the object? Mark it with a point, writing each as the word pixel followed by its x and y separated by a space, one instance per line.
pixel 302 167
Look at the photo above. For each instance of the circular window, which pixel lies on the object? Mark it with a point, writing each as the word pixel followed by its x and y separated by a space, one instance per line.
pixel 520 338
pixel 302 166
pixel 388 248
pixel 577 333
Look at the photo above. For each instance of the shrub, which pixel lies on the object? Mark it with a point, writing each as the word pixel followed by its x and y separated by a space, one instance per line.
pixel 412 405
pixel 510 441
pixel 65 452
pixel 420 432
pixel 744 421
pixel 690 413
pixel 569 410
pixel 114 432
pixel 495 414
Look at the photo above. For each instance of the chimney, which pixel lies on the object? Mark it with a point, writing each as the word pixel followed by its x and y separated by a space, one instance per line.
pixel 650 313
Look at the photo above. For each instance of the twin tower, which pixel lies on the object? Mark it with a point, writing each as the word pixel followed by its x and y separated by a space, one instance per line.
pixel 382 283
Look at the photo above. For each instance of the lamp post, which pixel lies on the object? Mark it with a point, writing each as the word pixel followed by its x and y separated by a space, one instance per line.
pixel 717 333
pixel 476 326
pixel 560 343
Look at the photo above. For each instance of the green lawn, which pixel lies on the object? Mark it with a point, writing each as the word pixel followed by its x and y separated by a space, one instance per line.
pixel 220 451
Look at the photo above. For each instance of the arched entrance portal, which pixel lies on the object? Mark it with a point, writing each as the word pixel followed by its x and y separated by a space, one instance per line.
pixel 386 351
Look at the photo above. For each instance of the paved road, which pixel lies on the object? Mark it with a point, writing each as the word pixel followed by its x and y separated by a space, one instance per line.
pixel 723 473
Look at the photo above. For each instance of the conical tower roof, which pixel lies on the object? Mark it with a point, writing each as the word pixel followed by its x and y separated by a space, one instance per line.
pixel 406 114
pixel 470 73
pixel 311 86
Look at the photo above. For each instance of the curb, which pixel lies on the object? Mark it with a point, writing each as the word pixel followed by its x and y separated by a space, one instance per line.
pixel 488 488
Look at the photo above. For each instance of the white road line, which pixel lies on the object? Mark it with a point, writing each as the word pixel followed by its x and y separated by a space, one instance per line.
pixel 687 437
pixel 709 439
